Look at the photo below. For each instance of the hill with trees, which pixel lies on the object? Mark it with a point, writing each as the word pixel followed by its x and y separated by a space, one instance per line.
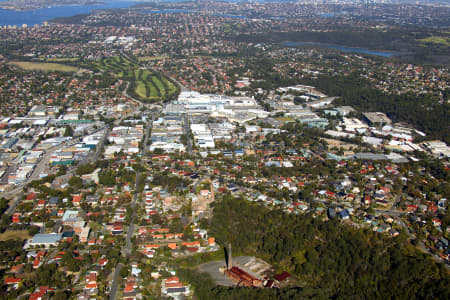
pixel 329 260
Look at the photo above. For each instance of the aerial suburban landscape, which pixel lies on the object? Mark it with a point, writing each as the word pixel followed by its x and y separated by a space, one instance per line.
pixel 224 149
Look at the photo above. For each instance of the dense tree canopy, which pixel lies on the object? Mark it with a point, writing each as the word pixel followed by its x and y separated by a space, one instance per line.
pixel 329 259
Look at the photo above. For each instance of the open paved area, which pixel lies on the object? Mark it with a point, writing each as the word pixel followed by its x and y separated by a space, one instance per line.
pixel 254 266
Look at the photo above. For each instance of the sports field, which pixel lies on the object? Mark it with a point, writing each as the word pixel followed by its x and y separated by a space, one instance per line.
pixel 45 67
pixel 14 235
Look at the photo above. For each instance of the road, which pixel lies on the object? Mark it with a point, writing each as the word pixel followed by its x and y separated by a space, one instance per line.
pixel 92 157
pixel 38 170
pixel 127 248
pixel 421 246
pixel 187 133
pixel 147 133
pixel 397 214
pixel 40 167
pixel 182 87
pixel 130 231
pixel 17 191
pixel 116 279
pixel 391 212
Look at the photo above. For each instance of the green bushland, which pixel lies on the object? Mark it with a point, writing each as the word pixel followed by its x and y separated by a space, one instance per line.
pixel 329 260
pixel 436 40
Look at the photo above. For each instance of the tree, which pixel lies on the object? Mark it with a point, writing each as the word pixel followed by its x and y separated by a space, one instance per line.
pixel 68 131
pixel 124 272
pixel 85 169
pixel 75 182
pixel 62 170
pixel 60 295
pixel 329 256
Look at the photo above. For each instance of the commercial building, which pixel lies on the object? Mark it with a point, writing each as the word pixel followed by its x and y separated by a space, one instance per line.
pixel 377 118
pixel 45 240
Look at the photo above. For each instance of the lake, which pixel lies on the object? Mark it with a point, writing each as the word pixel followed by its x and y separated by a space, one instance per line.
pixel 343 48
pixel 38 16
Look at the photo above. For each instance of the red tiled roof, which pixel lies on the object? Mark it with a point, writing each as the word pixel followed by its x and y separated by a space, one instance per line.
pixel 282 276
pixel 172 279
pixel 195 243
pixel 128 289
pixel 12 280
pixel 31 196
pixel 174 285
pixel 92 285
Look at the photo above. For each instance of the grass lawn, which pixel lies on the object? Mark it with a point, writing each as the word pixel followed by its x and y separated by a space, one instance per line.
pixel 159 85
pixel 436 40
pixel 156 85
pixel 61 59
pixel 140 90
pixel 46 67
pixel 14 235
pixel 153 90
pixel 171 87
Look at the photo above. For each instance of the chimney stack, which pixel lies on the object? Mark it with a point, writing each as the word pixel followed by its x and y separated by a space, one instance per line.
pixel 230 257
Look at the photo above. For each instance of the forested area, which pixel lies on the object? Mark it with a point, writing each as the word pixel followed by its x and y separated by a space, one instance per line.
pixel 205 288
pixel 423 112
pixel 328 259
pixel 404 40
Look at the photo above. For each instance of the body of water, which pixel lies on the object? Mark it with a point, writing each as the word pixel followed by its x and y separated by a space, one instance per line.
pixel 38 16
pixel 343 48
pixel 231 16
pixel 165 11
